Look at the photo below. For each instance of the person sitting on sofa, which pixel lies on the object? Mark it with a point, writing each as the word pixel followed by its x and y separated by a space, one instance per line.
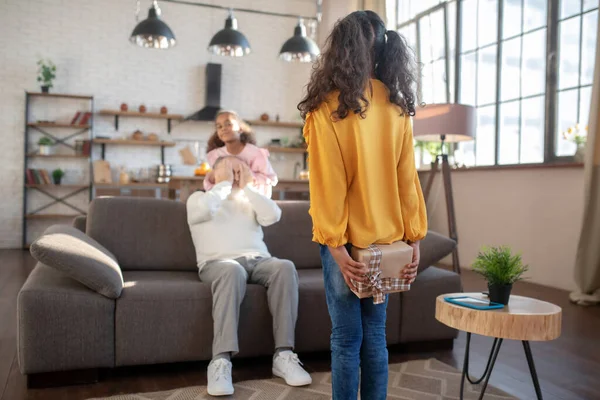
pixel 225 223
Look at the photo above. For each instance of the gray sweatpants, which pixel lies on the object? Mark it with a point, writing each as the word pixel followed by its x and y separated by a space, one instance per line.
pixel 228 280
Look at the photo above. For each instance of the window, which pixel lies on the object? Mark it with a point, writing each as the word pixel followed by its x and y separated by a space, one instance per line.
pixel 429 26
pixel 503 63
pixel 577 29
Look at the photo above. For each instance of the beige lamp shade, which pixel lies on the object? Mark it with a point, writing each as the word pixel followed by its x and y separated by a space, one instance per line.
pixel 455 122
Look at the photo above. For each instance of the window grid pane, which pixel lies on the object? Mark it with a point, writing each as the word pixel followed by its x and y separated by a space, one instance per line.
pixel 534 14
pixel 511 69
pixel 569 8
pixel 588 48
pixel 486 76
pixel 509 133
pixel 469 25
pixel 512 26
pixel 533 73
pixel 567 117
pixel 485 143
pixel 487 22
pixel 568 69
pixel 532 130
pixel 589 4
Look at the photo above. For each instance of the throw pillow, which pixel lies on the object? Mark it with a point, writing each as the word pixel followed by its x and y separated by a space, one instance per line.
pixel 72 252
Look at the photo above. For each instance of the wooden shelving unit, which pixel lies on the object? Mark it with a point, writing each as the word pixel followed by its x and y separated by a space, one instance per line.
pixel 58 155
pixel 57 125
pixel 132 142
pixel 59 140
pixel 140 114
pixel 135 114
pixel 276 124
pixel 61 186
pixel 59 95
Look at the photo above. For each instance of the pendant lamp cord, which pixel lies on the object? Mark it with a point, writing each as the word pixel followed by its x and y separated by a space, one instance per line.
pixel 137 11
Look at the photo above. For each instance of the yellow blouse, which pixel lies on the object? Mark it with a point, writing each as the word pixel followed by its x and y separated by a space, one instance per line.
pixel 364 186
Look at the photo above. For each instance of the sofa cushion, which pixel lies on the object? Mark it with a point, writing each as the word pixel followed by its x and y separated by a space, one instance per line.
pixel 143 233
pixel 291 237
pixel 79 222
pixel 313 328
pixel 433 248
pixel 166 316
pixel 418 306
pixel 62 325
pixel 72 252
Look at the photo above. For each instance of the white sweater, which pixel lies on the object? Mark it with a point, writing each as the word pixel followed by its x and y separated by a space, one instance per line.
pixel 226 224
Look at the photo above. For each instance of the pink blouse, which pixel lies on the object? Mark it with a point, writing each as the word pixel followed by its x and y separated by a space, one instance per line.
pixel 258 161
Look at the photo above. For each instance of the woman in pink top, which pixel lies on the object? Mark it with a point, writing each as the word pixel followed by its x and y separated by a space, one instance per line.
pixel 235 138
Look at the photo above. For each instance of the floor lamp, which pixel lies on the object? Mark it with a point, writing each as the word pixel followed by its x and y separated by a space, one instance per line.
pixel 445 123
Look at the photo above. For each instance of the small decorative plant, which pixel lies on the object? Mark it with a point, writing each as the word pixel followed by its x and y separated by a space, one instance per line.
pixel 577 135
pixel 501 268
pixel 46 74
pixel 45 144
pixel 432 148
pixel 57 175
pixel 45 141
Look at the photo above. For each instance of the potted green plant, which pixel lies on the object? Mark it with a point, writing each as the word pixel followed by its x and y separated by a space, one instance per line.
pixel 57 175
pixel 501 268
pixel 46 74
pixel 45 144
pixel 432 148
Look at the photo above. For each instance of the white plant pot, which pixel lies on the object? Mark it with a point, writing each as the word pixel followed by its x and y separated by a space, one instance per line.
pixel 45 150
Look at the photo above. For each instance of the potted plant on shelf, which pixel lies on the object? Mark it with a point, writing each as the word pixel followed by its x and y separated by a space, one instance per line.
pixel 46 145
pixel 57 175
pixel 501 269
pixel 577 135
pixel 46 74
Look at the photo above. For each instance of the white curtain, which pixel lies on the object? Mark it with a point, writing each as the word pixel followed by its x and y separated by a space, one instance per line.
pixel 587 266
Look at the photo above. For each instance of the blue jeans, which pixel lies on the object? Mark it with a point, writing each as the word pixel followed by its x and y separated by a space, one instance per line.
pixel 357 338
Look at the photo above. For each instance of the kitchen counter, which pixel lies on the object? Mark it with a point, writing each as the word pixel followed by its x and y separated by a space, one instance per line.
pixel 189 184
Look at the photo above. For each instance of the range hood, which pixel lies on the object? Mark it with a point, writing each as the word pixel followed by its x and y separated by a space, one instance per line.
pixel 213 95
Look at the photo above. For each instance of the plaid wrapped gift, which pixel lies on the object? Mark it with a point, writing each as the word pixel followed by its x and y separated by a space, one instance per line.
pixel 384 264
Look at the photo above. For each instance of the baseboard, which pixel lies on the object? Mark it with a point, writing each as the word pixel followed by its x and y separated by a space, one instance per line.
pixel 62 378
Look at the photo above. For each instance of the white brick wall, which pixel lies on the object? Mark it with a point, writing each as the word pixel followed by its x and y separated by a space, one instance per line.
pixel 88 41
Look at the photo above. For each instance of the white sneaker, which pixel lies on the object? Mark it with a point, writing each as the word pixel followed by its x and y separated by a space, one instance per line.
pixel 287 366
pixel 219 378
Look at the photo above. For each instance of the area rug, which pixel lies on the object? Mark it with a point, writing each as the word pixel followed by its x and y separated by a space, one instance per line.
pixel 412 380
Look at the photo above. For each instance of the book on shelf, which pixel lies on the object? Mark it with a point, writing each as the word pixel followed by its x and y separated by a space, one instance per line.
pixel 86 118
pixel 76 117
pixel 37 177
pixel 29 176
pixel 46 177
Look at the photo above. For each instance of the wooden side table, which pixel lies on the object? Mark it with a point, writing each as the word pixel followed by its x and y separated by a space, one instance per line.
pixel 523 319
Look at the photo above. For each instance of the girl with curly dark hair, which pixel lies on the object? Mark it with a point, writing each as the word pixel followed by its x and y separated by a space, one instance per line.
pixel 364 187
pixel 233 137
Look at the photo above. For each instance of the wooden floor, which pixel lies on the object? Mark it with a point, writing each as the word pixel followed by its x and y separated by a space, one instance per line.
pixel 568 368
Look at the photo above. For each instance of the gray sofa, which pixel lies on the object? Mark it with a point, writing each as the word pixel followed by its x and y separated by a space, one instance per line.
pixel 163 314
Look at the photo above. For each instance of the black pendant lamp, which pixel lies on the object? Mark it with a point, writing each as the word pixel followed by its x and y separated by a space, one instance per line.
pixel 299 48
pixel 152 32
pixel 229 41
